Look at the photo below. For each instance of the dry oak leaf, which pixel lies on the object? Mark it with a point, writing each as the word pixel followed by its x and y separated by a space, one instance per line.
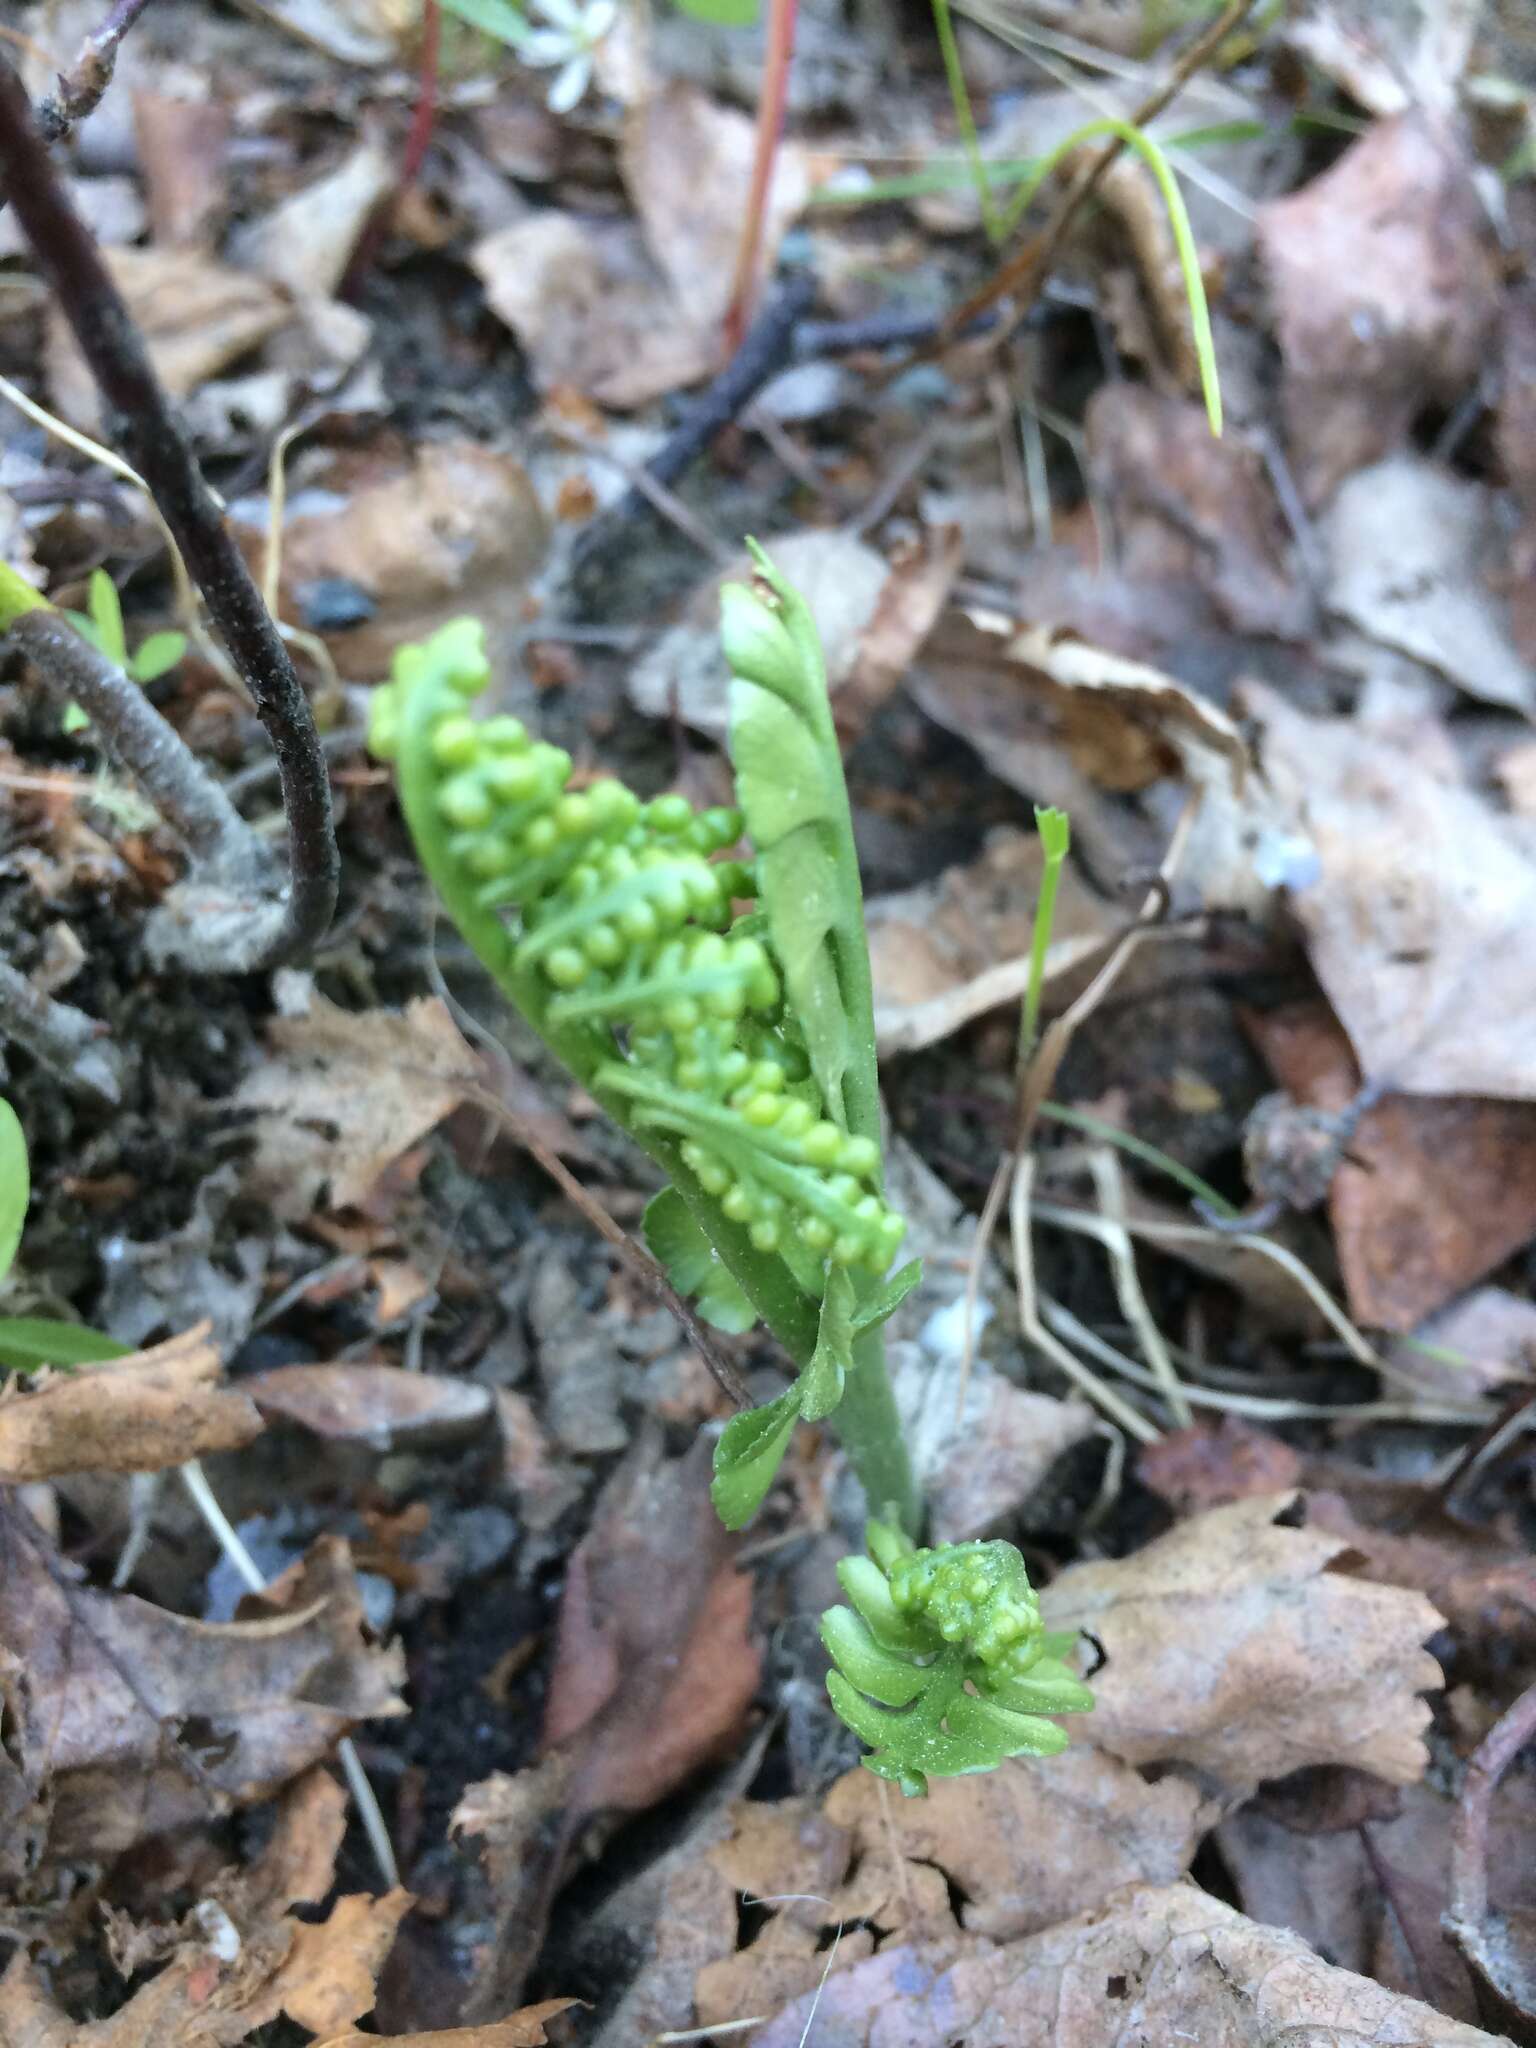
pixel 1023 1848
pixel 331 1970
pixel 343 1093
pixel 1161 1964
pixel 129 1721
pixel 1232 1647
pixel 142 1413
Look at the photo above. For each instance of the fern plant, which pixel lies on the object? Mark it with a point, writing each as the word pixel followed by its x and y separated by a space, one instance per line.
pixel 943 1667
pixel 717 1004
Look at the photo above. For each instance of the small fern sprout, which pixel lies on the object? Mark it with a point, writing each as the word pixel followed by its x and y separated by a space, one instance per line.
pixel 943 1666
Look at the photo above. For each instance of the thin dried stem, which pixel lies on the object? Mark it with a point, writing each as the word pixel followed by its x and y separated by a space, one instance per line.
pixel 226 915
pixel 82 85
pixel 62 1038
pixel 66 254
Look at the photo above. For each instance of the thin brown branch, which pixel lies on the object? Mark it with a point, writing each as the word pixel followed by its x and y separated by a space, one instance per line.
pixel 82 85
pixel 66 254
pixel 1023 276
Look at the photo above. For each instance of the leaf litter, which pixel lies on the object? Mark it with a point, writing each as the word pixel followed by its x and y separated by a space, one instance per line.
pixel 450 1424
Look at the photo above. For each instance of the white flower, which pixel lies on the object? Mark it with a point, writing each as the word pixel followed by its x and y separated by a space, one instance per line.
pixel 574 32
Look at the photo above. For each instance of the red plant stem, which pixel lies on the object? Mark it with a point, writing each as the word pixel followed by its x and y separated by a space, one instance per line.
pixel 417 142
pixel 154 441
pixel 770 126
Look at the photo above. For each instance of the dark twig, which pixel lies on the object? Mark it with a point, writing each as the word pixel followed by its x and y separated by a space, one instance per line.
pixel 82 85
pixel 153 440
pixel 1022 276
pixel 768 348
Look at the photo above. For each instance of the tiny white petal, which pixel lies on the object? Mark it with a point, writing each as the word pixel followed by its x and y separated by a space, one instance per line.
pixel 569 85
pixel 547 46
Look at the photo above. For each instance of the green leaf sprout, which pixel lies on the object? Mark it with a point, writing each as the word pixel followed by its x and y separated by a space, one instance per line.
pixel 943 1667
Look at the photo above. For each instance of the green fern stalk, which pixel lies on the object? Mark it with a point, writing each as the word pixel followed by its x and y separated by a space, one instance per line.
pixel 720 1010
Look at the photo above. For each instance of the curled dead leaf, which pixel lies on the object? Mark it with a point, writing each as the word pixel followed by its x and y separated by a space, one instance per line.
pixel 130 1721
pixel 379 1405
pixel 142 1413
pixel 1234 1645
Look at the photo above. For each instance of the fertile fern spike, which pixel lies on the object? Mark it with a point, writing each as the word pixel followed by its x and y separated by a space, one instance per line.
pixel 611 924
pixel 950 1644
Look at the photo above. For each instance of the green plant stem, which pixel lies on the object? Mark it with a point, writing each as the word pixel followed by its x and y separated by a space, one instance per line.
pixel 1055 840
pixel 1134 138
pixel 869 1429
pixel 965 120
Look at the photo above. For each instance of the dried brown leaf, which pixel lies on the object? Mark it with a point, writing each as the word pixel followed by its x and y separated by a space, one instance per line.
pixel 1385 279
pixel 137 1414
pixel 590 310
pixel 1231 1645
pixel 1419 918
pixel 305 243
pixel 1415 557
pixel 182 145
pixel 1214 1463
pixel 654 1664
pixel 451 527
pixel 524 2029
pixel 197 316
pixel 687 162
pixel 379 1405
pixel 1431 1193
pixel 915 593
pixel 1022 1848
pixel 131 1721
pixel 1064 720
pixel 237 1961
pixel 1163 1964
pixel 343 1093
pixel 331 1969
pixel 1191 509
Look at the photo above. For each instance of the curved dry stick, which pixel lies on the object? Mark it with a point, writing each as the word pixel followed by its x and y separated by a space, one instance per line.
pixel 66 254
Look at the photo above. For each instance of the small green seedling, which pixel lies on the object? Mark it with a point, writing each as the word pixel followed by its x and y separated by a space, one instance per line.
pixel 716 1001
pixel 102 625
pixel 29 1342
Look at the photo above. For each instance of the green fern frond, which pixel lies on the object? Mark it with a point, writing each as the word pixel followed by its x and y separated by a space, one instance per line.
pixel 613 926
pixel 943 1666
